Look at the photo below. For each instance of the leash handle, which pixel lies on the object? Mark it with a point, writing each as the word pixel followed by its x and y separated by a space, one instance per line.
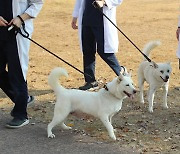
pixel 18 30
pixel 97 7
pixel 26 35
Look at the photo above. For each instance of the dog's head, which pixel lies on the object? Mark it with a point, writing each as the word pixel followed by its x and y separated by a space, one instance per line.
pixel 162 71
pixel 122 86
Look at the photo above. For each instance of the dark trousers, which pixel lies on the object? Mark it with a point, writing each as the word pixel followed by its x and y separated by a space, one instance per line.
pixel 92 41
pixel 11 77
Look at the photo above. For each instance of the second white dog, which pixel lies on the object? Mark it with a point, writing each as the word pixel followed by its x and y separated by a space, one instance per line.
pixel 102 104
pixel 156 75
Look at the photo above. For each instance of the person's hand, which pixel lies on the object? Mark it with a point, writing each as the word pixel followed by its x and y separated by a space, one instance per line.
pixel 100 3
pixel 16 22
pixel 3 22
pixel 74 23
pixel 178 33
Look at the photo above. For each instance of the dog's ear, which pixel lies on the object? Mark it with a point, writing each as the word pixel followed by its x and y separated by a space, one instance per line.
pixel 154 64
pixel 124 71
pixel 120 78
pixel 169 63
pixel 129 74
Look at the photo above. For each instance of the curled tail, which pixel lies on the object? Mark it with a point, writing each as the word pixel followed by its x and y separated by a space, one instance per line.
pixel 53 78
pixel 149 46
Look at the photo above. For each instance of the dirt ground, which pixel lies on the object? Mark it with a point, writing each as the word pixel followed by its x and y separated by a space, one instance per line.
pixel 142 21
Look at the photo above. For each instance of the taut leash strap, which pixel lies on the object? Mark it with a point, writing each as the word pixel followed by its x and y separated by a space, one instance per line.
pixel 26 35
pixel 97 6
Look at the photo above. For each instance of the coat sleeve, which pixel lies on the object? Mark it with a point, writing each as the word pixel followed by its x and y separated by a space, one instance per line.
pixel 76 8
pixel 113 3
pixel 34 8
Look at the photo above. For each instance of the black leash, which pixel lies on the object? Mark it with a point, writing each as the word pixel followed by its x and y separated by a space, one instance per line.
pixel 98 7
pixel 26 35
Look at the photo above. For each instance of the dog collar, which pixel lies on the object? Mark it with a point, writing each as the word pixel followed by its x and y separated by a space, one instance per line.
pixel 106 88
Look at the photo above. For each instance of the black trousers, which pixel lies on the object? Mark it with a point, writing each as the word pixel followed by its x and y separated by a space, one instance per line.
pixel 11 77
pixel 92 41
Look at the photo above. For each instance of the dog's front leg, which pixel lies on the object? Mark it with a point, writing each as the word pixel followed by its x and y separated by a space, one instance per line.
pixel 141 89
pixel 110 120
pixel 152 90
pixel 58 118
pixel 165 89
pixel 108 126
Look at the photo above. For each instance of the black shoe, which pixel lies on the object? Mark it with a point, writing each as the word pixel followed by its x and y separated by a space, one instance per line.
pixel 17 123
pixel 30 102
pixel 89 85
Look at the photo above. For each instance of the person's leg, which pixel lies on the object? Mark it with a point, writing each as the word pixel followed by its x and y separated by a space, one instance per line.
pixel 17 81
pixel 89 51
pixel 4 80
pixel 112 61
pixel 4 76
pixel 109 58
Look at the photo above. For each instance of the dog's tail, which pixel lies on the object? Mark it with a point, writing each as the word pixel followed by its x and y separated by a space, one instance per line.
pixel 53 79
pixel 149 46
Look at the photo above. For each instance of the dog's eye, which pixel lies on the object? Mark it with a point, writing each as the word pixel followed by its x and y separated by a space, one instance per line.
pixel 162 72
pixel 127 85
pixel 168 71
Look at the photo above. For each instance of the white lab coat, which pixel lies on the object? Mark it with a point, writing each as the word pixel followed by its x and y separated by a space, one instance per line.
pixel 110 32
pixel 178 50
pixel 32 8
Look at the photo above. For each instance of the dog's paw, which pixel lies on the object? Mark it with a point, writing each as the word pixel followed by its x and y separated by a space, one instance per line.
pixel 113 137
pixel 51 136
pixel 165 107
pixel 150 110
pixel 142 102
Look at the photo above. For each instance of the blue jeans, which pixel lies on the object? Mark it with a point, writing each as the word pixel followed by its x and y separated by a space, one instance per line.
pixel 92 41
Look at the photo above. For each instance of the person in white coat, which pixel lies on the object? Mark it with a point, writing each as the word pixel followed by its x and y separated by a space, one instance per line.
pixel 96 34
pixel 177 36
pixel 14 54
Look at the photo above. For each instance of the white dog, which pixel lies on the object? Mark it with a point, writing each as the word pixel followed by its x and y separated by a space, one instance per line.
pixel 156 75
pixel 102 104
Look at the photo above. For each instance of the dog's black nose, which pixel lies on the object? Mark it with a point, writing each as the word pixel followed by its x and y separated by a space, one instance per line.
pixel 134 91
pixel 167 77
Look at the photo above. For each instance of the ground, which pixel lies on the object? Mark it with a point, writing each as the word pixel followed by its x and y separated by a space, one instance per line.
pixel 142 21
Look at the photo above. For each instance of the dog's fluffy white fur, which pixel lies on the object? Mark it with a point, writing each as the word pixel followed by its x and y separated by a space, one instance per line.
pixel 102 104
pixel 156 75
